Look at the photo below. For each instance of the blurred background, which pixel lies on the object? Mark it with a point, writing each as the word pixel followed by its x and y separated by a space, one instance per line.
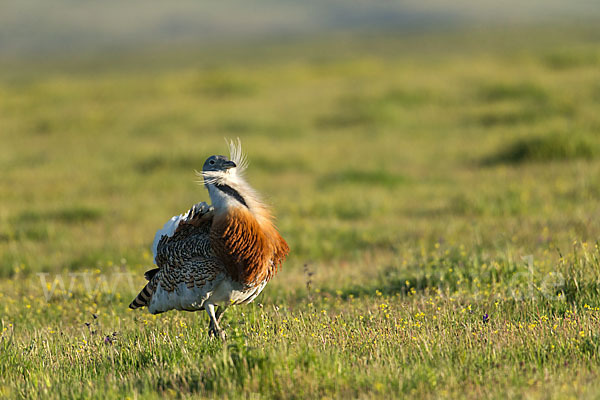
pixel 63 28
pixel 373 127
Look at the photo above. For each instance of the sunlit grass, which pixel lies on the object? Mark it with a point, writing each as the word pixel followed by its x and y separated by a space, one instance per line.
pixel 405 338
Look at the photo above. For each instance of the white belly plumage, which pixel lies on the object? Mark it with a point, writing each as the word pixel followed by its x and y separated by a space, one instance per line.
pixel 221 291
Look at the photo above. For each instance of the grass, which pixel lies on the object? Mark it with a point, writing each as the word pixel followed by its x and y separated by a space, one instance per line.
pixel 547 148
pixel 441 207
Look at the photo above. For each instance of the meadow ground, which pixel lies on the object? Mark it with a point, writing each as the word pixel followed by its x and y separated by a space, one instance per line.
pixel 439 194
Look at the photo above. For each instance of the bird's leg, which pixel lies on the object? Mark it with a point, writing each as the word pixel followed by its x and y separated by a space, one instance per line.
pixel 213 329
pixel 214 326
pixel 220 312
pixel 211 326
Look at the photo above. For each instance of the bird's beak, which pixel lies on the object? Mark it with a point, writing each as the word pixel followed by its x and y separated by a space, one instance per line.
pixel 229 164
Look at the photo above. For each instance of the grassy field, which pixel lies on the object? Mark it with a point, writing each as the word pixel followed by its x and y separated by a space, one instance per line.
pixel 439 194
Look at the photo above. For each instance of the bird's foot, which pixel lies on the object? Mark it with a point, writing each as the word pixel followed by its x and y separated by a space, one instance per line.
pixel 214 332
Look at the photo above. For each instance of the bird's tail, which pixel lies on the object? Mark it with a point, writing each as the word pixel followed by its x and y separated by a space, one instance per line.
pixel 143 298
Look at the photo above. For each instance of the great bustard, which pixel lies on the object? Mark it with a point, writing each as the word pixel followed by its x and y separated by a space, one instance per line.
pixel 218 255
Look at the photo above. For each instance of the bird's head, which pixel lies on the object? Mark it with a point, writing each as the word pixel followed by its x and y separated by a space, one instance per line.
pixel 223 177
pixel 216 165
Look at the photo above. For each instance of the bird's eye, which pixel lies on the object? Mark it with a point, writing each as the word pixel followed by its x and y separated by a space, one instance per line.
pixel 211 162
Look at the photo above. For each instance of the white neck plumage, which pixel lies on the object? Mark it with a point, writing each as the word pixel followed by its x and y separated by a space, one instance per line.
pixel 225 196
pixel 229 190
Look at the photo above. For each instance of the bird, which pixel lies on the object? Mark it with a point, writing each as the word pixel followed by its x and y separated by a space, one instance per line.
pixel 215 256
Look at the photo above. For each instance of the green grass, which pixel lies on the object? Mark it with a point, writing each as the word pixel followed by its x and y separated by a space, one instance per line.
pixel 420 187
pixel 547 148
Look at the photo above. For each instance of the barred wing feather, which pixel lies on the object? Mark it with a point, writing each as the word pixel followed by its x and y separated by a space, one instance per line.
pixel 172 224
pixel 184 257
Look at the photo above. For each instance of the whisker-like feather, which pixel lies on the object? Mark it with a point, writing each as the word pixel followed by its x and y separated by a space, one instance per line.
pixel 208 177
pixel 237 155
